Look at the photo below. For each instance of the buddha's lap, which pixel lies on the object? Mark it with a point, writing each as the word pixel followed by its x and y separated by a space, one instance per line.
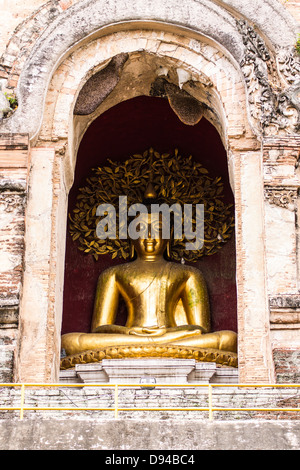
pixel 78 342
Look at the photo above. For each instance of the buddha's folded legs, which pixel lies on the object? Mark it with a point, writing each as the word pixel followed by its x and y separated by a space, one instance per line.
pixel 224 340
pixel 74 343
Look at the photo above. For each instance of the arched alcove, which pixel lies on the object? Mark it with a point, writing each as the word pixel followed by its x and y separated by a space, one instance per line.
pixel 125 129
pixel 215 79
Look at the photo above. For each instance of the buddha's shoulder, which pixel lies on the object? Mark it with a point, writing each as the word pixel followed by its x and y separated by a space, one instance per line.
pixel 175 268
pixel 118 269
pixel 188 270
pixel 108 272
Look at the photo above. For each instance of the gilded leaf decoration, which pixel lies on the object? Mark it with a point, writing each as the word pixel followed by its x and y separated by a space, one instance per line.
pixel 176 179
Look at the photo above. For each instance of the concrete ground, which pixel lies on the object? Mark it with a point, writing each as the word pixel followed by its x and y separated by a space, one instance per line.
pixel 120 434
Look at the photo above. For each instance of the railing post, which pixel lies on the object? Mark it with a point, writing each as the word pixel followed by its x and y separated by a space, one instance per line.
pixel 22 401
pixel 210 412
pixel 116 400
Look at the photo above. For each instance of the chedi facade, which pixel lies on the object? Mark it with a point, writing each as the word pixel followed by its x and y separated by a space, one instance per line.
pixel 191 103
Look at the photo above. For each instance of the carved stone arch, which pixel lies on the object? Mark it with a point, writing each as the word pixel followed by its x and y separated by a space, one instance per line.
pixel 106 68
pixel 90 18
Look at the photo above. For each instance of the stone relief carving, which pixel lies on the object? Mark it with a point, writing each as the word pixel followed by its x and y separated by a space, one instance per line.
pixel 61 148
pixel 12 202
pixel 289 66
pixel 272 108
pixel 282 197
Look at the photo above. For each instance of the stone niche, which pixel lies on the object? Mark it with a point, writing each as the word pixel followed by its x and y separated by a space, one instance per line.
pixel 136 123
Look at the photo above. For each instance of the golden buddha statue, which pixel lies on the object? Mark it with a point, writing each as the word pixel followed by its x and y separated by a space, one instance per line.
pixel 167 304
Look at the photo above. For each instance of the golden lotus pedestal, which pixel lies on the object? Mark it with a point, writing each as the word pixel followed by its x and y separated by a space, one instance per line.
pixel 162 364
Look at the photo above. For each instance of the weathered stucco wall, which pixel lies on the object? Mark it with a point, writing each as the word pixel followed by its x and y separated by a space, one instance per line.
pixel 14 14
pixel 13 189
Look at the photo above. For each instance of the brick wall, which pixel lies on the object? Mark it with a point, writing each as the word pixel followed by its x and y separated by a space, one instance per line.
pixel 281 179
pixel 26 20
pixel 13 181
pixel 28 24
pixel 287 365
pixel 160 397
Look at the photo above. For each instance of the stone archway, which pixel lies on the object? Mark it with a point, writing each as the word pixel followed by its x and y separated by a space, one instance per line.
pixel 61 164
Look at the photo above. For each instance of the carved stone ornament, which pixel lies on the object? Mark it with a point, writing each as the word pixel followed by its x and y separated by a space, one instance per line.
pixel 289 66
pixel 11 202
pixel 282 197
pixel 272 107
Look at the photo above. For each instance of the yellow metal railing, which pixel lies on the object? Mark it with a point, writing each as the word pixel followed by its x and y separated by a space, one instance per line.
pixel 210 409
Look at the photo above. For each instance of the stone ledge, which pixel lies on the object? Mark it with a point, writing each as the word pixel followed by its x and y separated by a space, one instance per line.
pixel 162 370
pixel 14 150
pixel 13 186
pixel 284 301
pixel 168 402
pixel 291 141
pixel 9 316
pixel 11 141
pixel 149 434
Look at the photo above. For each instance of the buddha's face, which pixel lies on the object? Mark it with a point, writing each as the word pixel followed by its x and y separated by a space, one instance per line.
pixel 150 243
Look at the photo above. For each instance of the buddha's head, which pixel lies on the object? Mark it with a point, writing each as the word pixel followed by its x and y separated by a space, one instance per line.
pixel 150 244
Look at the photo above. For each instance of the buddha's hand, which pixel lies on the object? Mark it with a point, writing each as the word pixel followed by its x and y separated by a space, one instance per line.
pixel 150 331
pixel 112 329
pixel 169 333
pixel 189 329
